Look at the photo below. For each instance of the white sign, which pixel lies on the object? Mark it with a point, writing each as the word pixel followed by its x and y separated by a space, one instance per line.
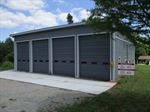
pixel 125 72
pixel 131 67
pixel 126 69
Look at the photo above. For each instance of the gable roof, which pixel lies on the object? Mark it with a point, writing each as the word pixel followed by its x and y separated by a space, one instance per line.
pixel 144 58
pixel 48 28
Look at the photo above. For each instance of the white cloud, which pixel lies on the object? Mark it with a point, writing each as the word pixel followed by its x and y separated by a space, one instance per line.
pixel 40 18
pixel 84 14
pixel 37 17
pixel 62 16
pixel 8 23
pixel 45 18
pixel 80 13
pixel 23 4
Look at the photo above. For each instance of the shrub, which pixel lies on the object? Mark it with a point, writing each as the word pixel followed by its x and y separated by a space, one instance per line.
pixel 7 65
pixel 9 57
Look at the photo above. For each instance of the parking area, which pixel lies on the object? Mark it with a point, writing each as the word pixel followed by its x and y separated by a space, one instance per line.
pixel 18 96
pixel 82 85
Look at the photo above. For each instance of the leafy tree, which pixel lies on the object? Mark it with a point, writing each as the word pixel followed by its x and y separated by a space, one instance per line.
pixel 3 51
pixel 9 44
pixel 142 48
pixel 83 20
pixel 6 50
pixel 69 18
pixel 129 17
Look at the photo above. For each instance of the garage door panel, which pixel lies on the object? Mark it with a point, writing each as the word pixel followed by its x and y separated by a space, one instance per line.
pixel 63 56
pixel 40 56
pixel 64 65
pixel 38 65
pixel 94 57
pixel 23 56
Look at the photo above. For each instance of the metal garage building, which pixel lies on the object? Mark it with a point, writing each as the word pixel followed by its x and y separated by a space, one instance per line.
pixel 71 50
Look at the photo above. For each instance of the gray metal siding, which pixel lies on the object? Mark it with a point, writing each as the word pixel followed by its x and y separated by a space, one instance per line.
pixel 131 53
pixel 40 56
pixel 94 57
pixel 64 56
pixel 125 51
pixel 23 56
pixel 57 32
pixel 121 51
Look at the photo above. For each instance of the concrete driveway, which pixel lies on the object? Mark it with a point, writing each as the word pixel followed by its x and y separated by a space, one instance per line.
pixel 88 86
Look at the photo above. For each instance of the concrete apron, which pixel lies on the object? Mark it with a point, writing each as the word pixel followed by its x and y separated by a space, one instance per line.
pixel 82 85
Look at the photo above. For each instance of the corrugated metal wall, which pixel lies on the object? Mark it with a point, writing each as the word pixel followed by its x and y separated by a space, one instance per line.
pixel 94 57
pixel 64 56
pixel 40 56
pixel 23 56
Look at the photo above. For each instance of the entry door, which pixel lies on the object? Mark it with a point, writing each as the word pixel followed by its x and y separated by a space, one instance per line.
pixel 63 56
pixel 40 56
pixel 23 56
pixel 94 57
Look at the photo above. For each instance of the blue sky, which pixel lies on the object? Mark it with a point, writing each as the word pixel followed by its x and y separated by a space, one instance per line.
pixel 23 15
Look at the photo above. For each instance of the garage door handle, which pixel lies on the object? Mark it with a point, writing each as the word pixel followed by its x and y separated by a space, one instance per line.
pixel 71 61
pixel 105 63
pixel 84 62
pixel 94 62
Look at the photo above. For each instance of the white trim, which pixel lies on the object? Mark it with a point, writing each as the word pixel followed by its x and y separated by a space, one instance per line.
pixel 51 46
pixel 15 56
pixel 51 55
pixel 77 54
pixel 111 58
pixel 121 39
pixel 48 28
pixel 22 41
pixel 40 39
pixel 30 56
pixel 78 60
pixel 66 36
pixel 114 55
pixel 84 34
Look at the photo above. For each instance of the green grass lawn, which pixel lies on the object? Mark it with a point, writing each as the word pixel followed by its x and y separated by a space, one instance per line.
pixel 132 94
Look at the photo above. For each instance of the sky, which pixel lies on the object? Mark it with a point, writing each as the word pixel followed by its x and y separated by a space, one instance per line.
pixel 23 15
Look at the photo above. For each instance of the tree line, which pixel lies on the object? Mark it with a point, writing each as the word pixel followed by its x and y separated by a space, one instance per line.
pixel 6 50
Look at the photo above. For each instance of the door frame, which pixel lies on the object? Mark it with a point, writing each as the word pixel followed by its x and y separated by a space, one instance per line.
pixel 51 51
pixel 78 55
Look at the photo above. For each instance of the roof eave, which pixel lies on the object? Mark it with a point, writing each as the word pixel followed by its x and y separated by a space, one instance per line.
pixel 48 28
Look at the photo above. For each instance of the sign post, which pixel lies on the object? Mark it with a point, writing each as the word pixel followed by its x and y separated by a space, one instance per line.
pixel 126 68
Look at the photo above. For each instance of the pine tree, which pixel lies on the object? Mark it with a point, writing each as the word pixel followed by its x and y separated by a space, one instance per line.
pixel 69 18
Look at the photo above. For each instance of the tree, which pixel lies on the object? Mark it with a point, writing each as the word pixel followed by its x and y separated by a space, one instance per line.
pixel 6 50
pixel 129 17
pixel 69 18
pixel 9 44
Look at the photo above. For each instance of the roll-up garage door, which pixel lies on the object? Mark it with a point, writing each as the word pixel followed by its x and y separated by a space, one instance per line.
pixel 40 56
pixel 94 57
pixel 23 56
pixel 63 56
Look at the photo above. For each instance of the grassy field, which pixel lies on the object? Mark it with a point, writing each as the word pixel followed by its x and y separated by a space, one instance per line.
pixel 132 94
